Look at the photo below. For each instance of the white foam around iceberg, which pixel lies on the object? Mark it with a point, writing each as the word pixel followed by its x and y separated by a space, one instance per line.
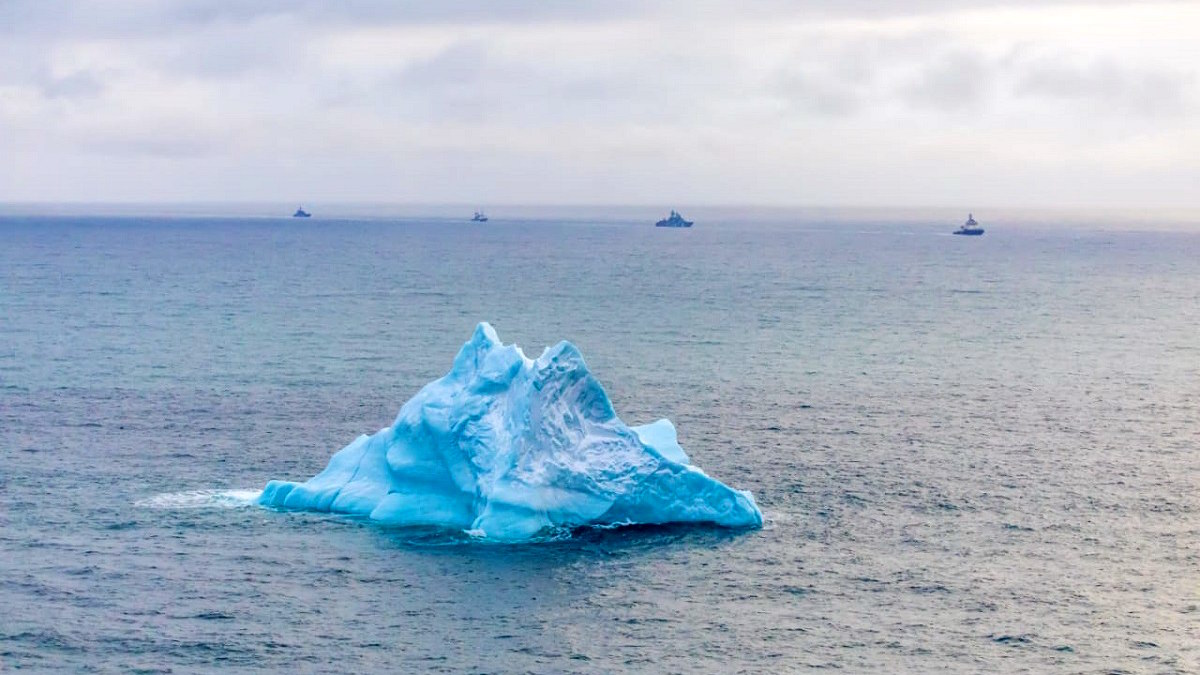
pixel 200 499
pixel 505 447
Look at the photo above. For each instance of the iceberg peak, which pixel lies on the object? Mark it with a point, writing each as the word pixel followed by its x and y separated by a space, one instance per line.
pixel 506 447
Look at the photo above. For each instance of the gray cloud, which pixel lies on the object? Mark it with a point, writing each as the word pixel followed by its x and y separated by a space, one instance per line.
pixel 820 93
pixel 170 146
pixel 954 81
pixel 114 18
pixel 75 85
pixel 1107 85
pixel 471 81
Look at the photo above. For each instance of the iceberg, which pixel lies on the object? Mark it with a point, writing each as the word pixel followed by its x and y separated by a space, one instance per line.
pixel 508 448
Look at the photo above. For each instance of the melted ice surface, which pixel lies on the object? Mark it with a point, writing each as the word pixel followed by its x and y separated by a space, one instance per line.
pixel 505 447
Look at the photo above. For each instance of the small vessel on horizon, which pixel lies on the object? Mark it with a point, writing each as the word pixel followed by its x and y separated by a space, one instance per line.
pixel 480 217
pixel 970 228
pixel 674 220
pixel 301 213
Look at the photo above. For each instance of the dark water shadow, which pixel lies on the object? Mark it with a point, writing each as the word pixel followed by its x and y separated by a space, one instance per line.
pixel 564 545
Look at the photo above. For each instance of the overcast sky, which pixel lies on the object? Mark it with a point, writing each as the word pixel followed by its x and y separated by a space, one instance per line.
pixel 808 102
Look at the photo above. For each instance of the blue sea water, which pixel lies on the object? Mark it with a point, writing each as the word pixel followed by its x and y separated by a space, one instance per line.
pixel 973 454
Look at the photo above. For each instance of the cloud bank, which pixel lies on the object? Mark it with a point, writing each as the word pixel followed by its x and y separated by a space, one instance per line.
pixel 851 103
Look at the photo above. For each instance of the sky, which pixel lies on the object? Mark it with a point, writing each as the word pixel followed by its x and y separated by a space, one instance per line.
pixel 775 103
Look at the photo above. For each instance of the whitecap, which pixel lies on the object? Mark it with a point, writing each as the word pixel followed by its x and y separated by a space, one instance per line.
pixel 200 499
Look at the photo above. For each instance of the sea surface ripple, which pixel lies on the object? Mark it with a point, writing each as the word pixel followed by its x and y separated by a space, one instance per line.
pixel 974 455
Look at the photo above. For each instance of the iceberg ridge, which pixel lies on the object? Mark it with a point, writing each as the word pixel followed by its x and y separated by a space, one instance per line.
pixel 505 447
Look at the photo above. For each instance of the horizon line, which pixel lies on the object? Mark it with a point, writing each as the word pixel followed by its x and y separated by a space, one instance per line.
pixel 606 204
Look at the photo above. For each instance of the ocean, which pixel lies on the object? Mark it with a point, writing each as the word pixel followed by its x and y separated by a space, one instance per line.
pixel 972 454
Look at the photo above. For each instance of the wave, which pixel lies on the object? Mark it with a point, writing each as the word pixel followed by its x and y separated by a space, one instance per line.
pixel 200 499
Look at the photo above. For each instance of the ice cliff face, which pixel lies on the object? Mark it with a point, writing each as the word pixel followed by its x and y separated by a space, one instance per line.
pixel 506 447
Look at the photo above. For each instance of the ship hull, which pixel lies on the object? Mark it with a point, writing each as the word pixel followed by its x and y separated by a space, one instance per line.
pixel 969 233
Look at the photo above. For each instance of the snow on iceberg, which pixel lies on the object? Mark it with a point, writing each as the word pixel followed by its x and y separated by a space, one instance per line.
pixel 506 447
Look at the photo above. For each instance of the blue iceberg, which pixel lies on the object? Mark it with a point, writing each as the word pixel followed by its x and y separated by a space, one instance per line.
pixel 507 448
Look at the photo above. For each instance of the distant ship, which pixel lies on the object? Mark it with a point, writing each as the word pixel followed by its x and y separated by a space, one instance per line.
pixel 301 213
pixel 480 217
pixel 970 228
pixel 674 220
